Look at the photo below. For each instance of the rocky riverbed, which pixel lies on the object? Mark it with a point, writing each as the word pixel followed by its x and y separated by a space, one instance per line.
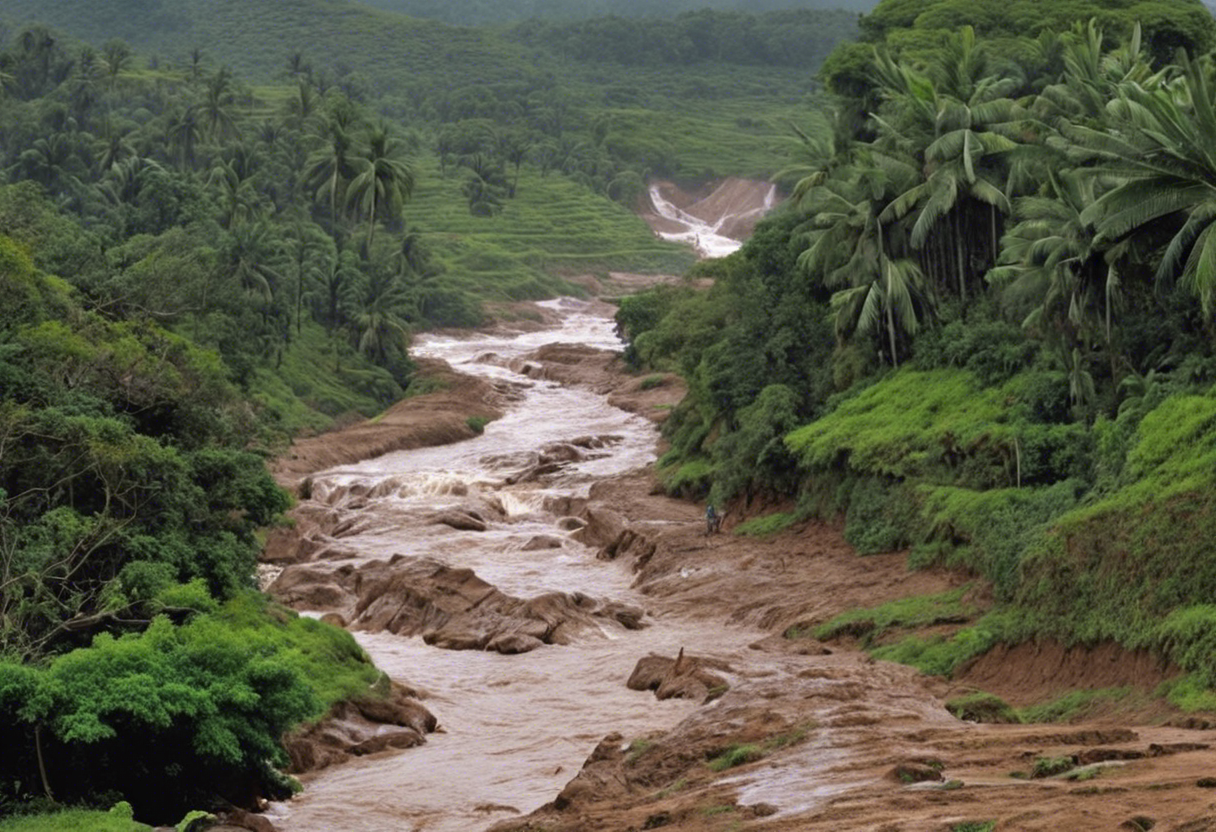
pixel 592 661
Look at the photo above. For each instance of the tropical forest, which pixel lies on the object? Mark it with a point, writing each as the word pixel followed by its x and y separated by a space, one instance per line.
pixel 568 415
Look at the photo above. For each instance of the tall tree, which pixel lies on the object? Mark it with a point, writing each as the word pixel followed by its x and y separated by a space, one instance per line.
pixel 384 182
pixel 1162 157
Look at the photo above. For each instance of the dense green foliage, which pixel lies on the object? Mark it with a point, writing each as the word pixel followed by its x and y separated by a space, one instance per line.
pixel 790 38
pixel 549 100
pixel 487 12
pixel 172 715
pixel 1015 267
pixel 118 819
pixel 193 267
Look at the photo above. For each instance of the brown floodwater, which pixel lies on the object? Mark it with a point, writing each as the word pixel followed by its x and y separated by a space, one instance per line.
pixel 515 729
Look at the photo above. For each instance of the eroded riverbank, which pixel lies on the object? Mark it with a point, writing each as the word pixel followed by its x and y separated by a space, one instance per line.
pixel 831 740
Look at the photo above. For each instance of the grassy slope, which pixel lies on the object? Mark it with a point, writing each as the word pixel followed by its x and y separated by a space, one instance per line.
pixel 74 820
pixel 554 225
pixel 1131 562
pixel 256 36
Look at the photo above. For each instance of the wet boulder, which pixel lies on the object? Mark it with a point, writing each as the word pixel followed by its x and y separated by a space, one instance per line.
pixel 465 521
pixel 684 677
pixel 358 727
pixel 542 541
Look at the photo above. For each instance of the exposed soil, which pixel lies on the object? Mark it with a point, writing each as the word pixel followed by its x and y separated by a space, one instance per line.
pixel 734 205
pixel 437 418
pixel 802 735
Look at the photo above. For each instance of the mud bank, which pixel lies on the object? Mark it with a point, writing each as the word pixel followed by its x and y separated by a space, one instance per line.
pixel 770 733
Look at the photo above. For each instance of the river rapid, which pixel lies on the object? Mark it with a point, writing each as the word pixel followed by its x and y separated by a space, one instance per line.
pixel 514 729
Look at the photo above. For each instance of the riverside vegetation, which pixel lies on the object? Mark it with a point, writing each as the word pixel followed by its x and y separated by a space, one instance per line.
pixel 1009 369
pixel 206 248
pixel 982 329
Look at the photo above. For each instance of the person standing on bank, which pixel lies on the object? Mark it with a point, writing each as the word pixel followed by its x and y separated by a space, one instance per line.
pixel 712 521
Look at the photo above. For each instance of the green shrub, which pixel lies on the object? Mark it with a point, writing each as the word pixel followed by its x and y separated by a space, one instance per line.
pixel 982 707
pixel 939 656
pixel 915 611
pixel 768 524
pixel 1051 766
pixel 1128 564
pixel 1073 706
pixel 691 479
pixel 477 424
pixel 736 755
pixel 174 716
pixel 881 515
pixel 987 532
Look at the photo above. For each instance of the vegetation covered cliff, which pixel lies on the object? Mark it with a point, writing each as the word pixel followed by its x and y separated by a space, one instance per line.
pixel 983 327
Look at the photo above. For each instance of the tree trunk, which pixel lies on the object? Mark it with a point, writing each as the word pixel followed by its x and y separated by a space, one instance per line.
pixel 958 253
pixel 371 229
pixel 891 321
pixel 46 785
pixel 992 209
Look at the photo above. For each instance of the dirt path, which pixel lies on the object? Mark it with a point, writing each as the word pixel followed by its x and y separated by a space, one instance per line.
pixel 821 737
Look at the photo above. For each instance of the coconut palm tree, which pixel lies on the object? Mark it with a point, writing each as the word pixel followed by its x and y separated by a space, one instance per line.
pixel 384 182
pixel 1161 157
pixel 111 147
pixel 379 320
pixel 115 60
pixel 255 257
pixel 851 245
pixel 215 109
pixel 330 168
pixel 1054 264
pixel 184 134
pixel 958 122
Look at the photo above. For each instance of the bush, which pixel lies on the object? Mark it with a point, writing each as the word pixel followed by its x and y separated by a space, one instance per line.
pixel 766 525
pixel 176 715
pixel 983 707
pixel 736 755
pixel 916 611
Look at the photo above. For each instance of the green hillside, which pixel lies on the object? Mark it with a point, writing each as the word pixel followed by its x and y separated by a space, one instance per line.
pixel 255 38
pixel 490 12
pixel 983 329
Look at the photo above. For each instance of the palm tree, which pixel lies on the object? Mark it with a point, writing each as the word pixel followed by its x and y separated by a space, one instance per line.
pixel 379 320
pixel 850 245
pixel 115 60
pixel 484 186
pixel 303 105
pixel 197 56
pixel 184 134
pixel 895 298
pixel 49 160
pixel 111 147
pixel 959 122
pixel 215 110
pixel 385 181
pixel 238 201
pixel 307 249
pixel 1054 263
pixel 815 158
pixel 254 257
pixel 1161 157
pixel 331 166
pixel 336 279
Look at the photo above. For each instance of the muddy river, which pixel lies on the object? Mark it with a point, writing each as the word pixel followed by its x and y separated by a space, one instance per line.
pixel 515 729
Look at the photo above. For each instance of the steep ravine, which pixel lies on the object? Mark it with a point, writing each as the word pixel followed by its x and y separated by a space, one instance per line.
pixel 578 571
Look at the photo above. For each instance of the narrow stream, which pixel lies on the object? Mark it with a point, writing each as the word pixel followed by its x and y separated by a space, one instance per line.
pixel 516 729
